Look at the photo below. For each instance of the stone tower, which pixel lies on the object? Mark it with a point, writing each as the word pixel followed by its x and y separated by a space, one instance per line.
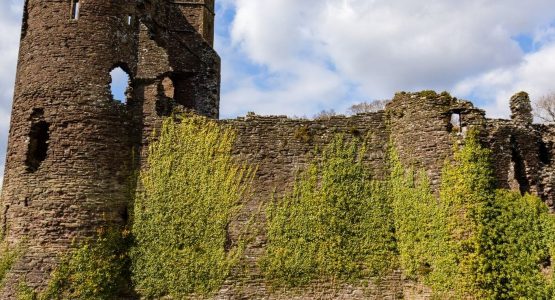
pixel 70 143
pixel 200 14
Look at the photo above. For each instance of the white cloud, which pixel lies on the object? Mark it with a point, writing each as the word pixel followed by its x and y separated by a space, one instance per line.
pixel 372 48
pixel 534 74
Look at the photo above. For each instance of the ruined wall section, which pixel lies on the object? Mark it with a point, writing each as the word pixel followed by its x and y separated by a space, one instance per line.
pixel 177 68
pixel 281 147
pixel 547 163
pixel 425 126
pixel 66 162
pixel 523 151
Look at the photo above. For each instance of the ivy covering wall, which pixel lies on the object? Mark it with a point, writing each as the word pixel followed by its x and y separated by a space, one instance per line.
pixel 190 189
pixel 334 225
pixel 96 269
pixel 472 240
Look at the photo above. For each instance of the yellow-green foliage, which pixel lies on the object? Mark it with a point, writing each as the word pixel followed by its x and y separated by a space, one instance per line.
pixel 24 292
pixel 335 224
pixel 190 189
pixel 421 232
pixel 7 259
pixel 467 187
pixel 97 269
pixel 513 243
pixel 472 241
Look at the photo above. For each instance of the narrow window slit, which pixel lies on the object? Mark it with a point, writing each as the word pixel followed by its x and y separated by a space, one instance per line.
pixel 38 145
pixel 129 20
pixel 75 7
pixel 455 123
pixel 545 155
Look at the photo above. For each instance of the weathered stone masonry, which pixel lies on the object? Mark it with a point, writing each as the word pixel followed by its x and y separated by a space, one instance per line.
pixel 424 127
pixel 72 147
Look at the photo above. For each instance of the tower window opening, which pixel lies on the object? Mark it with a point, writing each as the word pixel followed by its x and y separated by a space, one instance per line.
pixel 129 19
pixel 75 7
pixel 119 85
pixel 38 145
pixel 184 90
pixel 456 123
pixel 545 155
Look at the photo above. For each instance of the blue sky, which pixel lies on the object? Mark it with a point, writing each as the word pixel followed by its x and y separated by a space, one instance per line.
pixel 296 58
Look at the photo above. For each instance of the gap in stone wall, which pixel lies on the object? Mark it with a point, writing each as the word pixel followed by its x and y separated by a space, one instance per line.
pixel 38 145
pixel 119 84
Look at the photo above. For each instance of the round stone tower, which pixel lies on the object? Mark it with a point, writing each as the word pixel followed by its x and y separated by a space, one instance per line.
pixel 69 148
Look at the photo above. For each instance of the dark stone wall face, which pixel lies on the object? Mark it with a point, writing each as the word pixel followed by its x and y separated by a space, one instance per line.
pixel 70 144
pixel 66 163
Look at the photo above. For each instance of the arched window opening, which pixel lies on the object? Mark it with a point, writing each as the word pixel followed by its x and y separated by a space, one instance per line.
pixel 129 20
pixel 38 145
pixel 166 94
pixel 119 85
pixel 168 87
pixel 75 7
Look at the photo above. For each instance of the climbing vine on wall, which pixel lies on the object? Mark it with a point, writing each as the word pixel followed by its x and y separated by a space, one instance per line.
pixel 334 224
pixel 97 268
pixel 8 257
pixel 190 189
pixel 474 240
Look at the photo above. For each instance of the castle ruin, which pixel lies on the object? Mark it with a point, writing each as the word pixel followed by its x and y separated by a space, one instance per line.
pixel 72 147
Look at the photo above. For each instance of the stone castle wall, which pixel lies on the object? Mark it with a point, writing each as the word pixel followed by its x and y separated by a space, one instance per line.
pixel 424 131
pixel 72 147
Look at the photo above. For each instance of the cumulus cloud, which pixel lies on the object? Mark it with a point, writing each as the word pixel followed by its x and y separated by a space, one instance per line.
pixel 533 74
pixel 345 51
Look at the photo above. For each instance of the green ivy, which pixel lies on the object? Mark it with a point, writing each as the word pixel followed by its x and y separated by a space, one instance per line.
pixel 474 240
pixel 512 247
pixel 95 270
pixel 8 256
pixel 335 224
pixel 189 191
pixel 467 187
pixel 421 232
